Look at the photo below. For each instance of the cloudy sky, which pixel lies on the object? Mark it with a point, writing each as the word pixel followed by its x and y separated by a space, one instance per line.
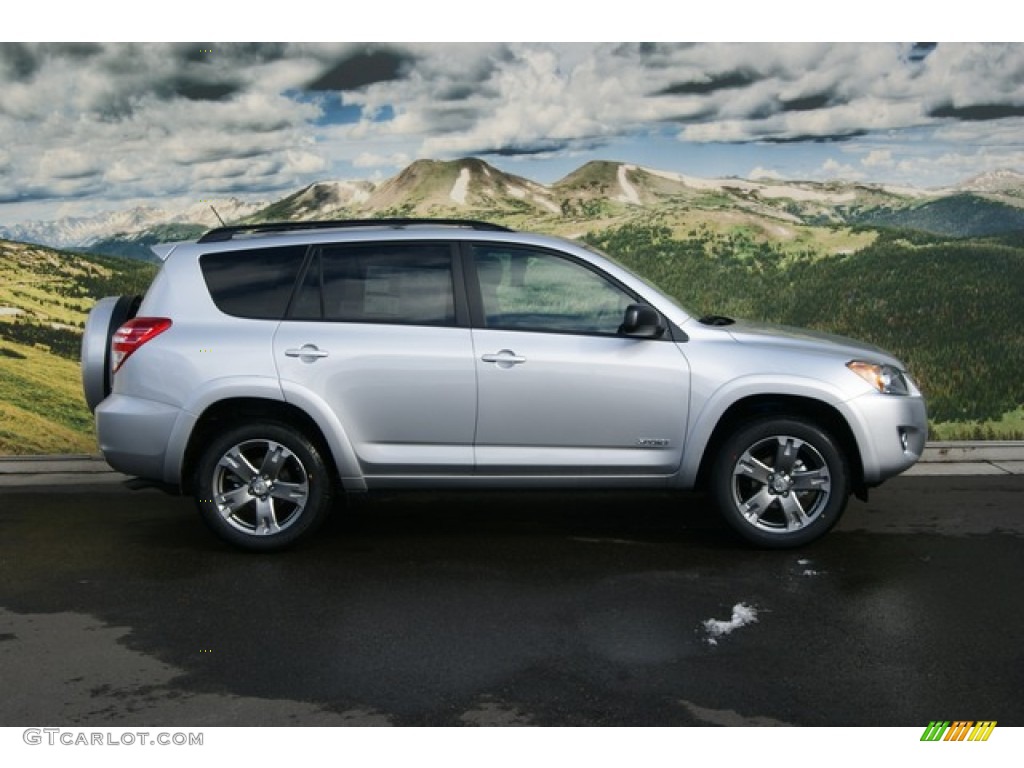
pixel 87 127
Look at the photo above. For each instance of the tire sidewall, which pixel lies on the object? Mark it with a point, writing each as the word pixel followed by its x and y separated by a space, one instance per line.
pixel 318 499
pixel 746 437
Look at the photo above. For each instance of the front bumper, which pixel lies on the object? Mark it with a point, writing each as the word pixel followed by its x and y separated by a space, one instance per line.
pixel 891 431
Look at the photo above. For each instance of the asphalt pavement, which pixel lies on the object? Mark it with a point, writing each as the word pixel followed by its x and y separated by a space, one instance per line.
pixel 939 458
pixel 117 607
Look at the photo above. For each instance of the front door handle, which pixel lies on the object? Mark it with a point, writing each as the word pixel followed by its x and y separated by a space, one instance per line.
pixel 307 353
pixel 506 358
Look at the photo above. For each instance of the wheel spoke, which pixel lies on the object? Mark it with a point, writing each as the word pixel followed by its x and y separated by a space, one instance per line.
pixel 812 480
pixel 785 455
pixel 235 462
pixel 266 517
pixel 294 492
pixel 274 461
pixel 754 507
pixel 231 501
pixel 753 468
pixel 796 518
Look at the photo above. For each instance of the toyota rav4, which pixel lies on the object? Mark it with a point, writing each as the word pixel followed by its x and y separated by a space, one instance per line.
pixel 271 368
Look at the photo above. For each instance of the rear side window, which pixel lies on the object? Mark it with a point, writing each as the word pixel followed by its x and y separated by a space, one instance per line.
pixel 253 283
pixel 403 283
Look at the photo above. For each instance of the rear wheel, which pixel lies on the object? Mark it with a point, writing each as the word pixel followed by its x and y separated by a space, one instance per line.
pixel 780 482
pixel 262 486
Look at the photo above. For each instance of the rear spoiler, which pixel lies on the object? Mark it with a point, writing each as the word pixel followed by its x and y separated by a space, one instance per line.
pixel 163 250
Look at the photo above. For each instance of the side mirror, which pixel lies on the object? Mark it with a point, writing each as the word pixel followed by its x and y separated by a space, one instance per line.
pixel 642 321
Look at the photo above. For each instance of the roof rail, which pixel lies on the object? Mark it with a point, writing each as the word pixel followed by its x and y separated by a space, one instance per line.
pixel 221 234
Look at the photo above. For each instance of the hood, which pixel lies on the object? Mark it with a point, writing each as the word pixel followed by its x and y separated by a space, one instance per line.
pixel 785 336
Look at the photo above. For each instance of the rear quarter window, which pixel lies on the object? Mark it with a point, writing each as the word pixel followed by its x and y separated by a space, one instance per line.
pixel 254 283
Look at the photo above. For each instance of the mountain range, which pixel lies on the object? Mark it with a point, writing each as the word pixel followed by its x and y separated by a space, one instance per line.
pixel 594 196
pixel 839 257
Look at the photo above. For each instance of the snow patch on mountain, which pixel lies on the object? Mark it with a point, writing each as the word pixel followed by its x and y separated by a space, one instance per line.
pixel 783 190
pixel 629 192
pixel 326 198
pixel 995 181
pixel 893 189
pixel 547 203
pixel 83 231
pixel 806 195
pixel 460 187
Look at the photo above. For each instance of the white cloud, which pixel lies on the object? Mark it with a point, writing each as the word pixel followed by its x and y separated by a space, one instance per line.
pixel 65 163
pixel 301 163
pixel 833 169
pixel 881 158
pixel 129 121
pixel 374 160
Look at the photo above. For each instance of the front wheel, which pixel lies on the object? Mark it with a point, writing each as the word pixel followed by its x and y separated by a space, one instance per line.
pixel 780 482
pixel 262 486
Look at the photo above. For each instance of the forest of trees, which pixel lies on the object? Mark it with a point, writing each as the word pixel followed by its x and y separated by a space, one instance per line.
pixel 951 309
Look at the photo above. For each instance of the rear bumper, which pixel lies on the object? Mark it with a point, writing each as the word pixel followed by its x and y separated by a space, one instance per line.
pixel 135 434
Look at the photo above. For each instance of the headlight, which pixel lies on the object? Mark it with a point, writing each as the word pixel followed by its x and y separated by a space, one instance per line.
pixel 887 379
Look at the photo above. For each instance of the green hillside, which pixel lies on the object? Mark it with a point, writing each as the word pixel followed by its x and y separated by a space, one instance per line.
pixel 964 215
pixel 45 296
pixel 951 309
pixel 137 246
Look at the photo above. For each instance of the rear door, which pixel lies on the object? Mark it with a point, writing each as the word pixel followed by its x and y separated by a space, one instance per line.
pixel 380 333
pixel 560 390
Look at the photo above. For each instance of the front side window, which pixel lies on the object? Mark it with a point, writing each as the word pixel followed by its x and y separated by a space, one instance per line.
pixel 400 283
pixel 523 289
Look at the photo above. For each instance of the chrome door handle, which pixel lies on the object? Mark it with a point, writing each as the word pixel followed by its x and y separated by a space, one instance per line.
pixel 306 351
pixel 504 358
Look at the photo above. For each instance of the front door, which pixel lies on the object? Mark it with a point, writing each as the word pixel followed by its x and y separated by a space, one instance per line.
pixel 560 390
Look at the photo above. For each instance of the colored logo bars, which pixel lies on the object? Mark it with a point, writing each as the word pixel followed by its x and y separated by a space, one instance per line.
pixel 959 730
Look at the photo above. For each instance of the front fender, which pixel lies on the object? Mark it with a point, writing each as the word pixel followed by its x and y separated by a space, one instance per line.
pixel 705 417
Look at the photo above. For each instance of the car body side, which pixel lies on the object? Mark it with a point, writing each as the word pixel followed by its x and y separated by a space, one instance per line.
pixel 211 364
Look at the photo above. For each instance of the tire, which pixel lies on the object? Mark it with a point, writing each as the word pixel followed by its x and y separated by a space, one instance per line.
pixel 263 486
pixel 106 316
pixel 780 482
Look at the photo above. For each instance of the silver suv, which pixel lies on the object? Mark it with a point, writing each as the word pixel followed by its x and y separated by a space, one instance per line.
pixel 271 367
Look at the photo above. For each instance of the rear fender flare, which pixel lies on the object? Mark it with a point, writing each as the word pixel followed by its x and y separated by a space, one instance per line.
pixel 262 388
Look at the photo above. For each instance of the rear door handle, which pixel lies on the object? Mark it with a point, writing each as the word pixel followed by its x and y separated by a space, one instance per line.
pixel 505 358
pixel 307 352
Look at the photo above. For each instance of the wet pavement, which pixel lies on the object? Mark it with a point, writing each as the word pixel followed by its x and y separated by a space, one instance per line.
pixel 117 607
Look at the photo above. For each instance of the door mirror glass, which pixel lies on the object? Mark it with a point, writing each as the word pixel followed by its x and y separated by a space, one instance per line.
pixel 642 321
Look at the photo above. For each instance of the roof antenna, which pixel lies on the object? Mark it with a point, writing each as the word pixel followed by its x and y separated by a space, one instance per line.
pixel 218 216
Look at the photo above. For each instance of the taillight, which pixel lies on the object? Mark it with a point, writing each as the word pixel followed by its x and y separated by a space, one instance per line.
pixel 132 335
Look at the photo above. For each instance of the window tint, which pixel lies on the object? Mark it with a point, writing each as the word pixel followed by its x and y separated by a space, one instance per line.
pixel 379 283
pixel 252 283
pixel 539 291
